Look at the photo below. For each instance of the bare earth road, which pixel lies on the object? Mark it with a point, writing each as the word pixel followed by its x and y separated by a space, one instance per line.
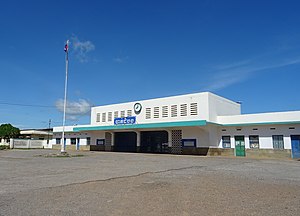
pixel 103 183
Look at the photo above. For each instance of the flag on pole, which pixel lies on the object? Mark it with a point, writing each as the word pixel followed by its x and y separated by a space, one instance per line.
pixel 66 47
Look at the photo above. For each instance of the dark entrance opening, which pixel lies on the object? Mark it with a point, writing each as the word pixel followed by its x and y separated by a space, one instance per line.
pixel 154 142
pixel 125 142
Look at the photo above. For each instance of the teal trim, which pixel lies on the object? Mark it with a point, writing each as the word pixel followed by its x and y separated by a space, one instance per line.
pixel 263 123
pixel 143 126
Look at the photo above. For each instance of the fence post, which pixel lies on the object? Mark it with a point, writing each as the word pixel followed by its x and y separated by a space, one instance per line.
pixel 11 143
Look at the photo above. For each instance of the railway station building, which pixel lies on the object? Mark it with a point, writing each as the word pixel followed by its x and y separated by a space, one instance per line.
pixel 195 124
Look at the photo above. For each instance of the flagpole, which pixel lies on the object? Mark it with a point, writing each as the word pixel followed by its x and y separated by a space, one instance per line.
pixel 63 144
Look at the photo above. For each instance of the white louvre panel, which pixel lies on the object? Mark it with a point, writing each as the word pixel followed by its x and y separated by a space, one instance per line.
pixel 194 109
pixel 98 117
pixel 109 117
pixel 165 112
pixel 156 112
pixel 174 111
pixel 116 114
pixel 183 110
pixel 122 113
pixel 103 117
pixel 148 113
pixel 129 112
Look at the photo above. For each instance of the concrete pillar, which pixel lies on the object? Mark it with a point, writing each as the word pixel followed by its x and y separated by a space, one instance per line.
pixel 138 141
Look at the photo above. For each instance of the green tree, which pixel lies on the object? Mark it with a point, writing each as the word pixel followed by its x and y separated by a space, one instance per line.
pixel 8 131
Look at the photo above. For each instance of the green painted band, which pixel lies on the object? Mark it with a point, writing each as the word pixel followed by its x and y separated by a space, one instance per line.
pixel 143 126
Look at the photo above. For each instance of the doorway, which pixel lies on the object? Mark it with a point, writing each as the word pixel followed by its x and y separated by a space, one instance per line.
pixel 240 146
pixel 125 142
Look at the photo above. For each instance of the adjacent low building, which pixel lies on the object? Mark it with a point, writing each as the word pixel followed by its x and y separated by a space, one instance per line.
pixel 199 124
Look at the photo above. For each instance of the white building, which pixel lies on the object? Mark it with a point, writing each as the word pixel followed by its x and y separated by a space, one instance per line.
pixel 201 123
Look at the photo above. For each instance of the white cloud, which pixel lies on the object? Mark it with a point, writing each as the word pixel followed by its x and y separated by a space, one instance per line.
pixel 74 109
pixel 230 74
pixel 82 48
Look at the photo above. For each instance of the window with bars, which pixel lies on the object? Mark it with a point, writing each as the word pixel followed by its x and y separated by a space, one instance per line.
pixel 122 113
pixel 148 113
pixel 165 111
pixel 129 112
pixel 254 141
pixel 103 117
pixel 116 114
pixel 174 111
pixel 183 110
pixel 226 143
pixel 98 117
pixel 109 116
pixel 194 109
pixel 278 142
pixel 156 112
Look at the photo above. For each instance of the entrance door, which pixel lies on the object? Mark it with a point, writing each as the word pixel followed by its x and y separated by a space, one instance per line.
pixel 154 141
pixel 295 146
pixel 125 142
pixel 240 146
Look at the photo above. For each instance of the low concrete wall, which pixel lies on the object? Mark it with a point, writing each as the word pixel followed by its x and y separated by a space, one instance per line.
pixel 268 153
pixel 207 151
pixel 72 147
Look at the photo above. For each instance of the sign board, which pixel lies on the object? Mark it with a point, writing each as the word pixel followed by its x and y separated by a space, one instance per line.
pixel 125 120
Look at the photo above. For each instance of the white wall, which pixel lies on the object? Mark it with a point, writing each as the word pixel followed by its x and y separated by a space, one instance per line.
pixel 292 116
pixel 94 135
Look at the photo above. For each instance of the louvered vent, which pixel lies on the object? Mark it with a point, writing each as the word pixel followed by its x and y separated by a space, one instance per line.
pixel 194 109
pixel 183 110
pixel 165 111
pixel 116 114
pixel 98 117
pixel 109 116
pixel 156 112
pixel 148 113
pixel 174 111
pixel 129 112
pixel 103 117
pixel 122 113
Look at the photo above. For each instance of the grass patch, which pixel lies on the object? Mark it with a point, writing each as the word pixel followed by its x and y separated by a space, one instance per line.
pixel 4 147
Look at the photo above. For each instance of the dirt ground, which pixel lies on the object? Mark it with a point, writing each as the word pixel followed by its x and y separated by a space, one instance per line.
pixel 140 184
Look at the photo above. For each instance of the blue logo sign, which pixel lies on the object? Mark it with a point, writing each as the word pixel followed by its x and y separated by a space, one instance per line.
pixel 125 120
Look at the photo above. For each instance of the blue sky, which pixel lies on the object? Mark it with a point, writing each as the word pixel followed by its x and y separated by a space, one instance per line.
pixel 122 51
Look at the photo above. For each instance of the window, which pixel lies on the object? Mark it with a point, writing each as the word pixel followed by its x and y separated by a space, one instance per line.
pixel 278 142
pixel 223 129
pixel 156 112
pixel 88 140
pixel 123 114
pixel 129 112
pixel 165 111
pixel 73 141
pixel 174 111
pixel 188 142
pixel 116 114
pixel 109 117
pixel 254 129
pixel 291 128
pixel 226 143
pixel 183 110
pixel 103 117
pixel 57 141
pixel 100 142
pixel 254 141
pixel 148 113
pixel 98 117
pixel 194 109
